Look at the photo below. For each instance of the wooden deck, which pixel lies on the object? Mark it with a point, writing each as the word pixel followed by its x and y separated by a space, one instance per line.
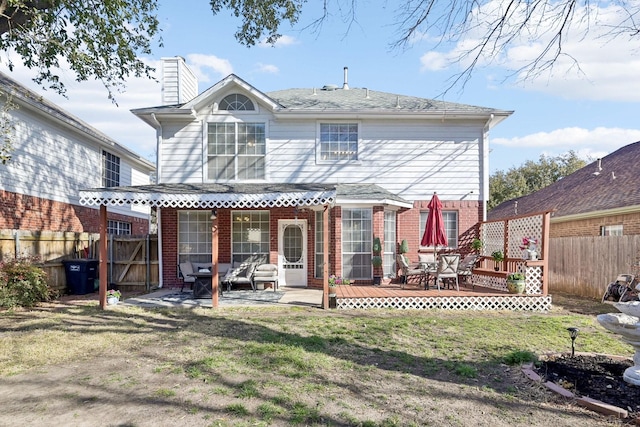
pixel 413 296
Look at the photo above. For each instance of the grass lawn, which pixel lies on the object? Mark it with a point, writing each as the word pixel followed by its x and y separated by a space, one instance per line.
pixel 73 364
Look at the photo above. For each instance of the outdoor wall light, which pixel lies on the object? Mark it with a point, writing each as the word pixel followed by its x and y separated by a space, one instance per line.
pixel 573 333
pixel 214 213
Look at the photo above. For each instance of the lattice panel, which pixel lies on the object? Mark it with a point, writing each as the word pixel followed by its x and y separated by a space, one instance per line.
pixel 491 282
pixel 207 201
pixel 533 280
pixel 530 226
pixel 492 235
pixel 507 302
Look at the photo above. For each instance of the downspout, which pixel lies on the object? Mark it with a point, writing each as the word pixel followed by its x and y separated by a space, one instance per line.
pixel 484 167
pixel 158 146
pixel 158 210
pixel 159 226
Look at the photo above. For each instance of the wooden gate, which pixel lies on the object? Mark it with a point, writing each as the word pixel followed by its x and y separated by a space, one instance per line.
pixel 132 262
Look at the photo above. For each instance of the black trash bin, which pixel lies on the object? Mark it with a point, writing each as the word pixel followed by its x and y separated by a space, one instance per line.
pixel 81 274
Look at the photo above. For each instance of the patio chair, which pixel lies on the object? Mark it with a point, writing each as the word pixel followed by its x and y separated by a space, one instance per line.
pixel 265 273
pixel 465 268
pixel 239 275
pixel 187 268
pixel 408 271
pixel 447 269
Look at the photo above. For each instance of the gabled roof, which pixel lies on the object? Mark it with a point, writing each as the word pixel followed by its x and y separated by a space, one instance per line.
pixel 331 101
pixel 25 97
pixel 612 187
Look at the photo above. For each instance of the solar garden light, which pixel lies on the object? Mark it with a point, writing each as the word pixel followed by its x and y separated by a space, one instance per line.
pixel 573 333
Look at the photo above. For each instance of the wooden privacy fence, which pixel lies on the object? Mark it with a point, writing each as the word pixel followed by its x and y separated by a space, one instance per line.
pixel 584 266
pixel 132 262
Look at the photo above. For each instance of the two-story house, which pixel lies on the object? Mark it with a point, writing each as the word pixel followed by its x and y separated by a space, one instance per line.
pixel 53 156
pixel 263 167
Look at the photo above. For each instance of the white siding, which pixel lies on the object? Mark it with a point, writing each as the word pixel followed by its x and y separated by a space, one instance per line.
pixel 179 84
pixel 411 158
pixel 51 162
pixel 182 153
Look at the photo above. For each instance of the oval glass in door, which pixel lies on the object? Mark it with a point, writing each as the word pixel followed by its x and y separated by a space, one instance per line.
pixel 292 248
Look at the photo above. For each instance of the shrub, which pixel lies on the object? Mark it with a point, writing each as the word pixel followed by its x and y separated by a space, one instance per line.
pixel 22 284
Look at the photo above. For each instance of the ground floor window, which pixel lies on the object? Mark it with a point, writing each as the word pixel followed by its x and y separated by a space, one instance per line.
pixel 118 227
pixel 389 245
pixel 194 236
pixel 450 226
pixel 250 236
pixel 611 230
pixel 357 243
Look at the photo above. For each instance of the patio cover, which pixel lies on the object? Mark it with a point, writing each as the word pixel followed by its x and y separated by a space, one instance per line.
pixel 234 196
pixel 211 195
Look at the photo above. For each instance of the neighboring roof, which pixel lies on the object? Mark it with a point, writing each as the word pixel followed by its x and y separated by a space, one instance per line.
pixel 238 195
pixel 25 96
pixel 612 187
pixel 317 101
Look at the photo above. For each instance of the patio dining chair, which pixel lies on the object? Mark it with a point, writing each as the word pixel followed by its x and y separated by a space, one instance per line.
pixel 408 271
pixel 465 268
pixel 447 269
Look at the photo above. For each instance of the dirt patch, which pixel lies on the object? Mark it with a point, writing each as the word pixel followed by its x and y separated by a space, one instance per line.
pixel 596 376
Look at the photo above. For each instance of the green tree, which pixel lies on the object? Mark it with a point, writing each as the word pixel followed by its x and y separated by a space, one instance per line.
pixel 101 39
pixel 531 176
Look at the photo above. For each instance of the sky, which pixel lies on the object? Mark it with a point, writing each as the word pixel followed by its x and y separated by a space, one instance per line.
pixel 591 109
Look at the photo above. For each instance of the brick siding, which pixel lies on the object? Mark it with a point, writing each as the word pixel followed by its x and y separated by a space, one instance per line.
pixel 591 226
pixel 408 226
pixel 22 212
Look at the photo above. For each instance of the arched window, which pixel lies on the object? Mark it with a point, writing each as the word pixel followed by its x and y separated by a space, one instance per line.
pixel 236 102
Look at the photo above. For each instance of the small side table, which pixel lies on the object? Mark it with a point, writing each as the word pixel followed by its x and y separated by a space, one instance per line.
pixel 202 285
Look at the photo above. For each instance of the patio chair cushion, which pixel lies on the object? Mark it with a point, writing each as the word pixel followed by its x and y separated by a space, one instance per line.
pixel 186 268
pixel 265 273
pixel 240 274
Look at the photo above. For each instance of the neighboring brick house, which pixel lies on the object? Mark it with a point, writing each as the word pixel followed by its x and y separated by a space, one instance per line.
pixel 54 156
pixel 600 199
pixel 261 168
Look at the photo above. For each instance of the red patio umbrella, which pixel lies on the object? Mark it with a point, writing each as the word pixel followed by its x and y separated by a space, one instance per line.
pixel 434 232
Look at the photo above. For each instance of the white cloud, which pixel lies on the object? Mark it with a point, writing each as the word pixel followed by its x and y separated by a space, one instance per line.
pixel 267 68
pixel 587 143
pixel 199 63
pixel 283 41
pixel 434 61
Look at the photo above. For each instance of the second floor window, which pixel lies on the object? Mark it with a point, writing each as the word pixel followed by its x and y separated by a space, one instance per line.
pixel 236 151
pixel 110 170
pixel 338 141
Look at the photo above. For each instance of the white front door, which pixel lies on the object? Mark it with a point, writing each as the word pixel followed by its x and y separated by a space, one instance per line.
pixel 292 252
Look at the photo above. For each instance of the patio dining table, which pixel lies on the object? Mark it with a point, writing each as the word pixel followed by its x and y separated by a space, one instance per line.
pixel 429 269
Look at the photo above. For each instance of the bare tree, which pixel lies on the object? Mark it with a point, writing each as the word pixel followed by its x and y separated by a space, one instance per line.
pixel 482 31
